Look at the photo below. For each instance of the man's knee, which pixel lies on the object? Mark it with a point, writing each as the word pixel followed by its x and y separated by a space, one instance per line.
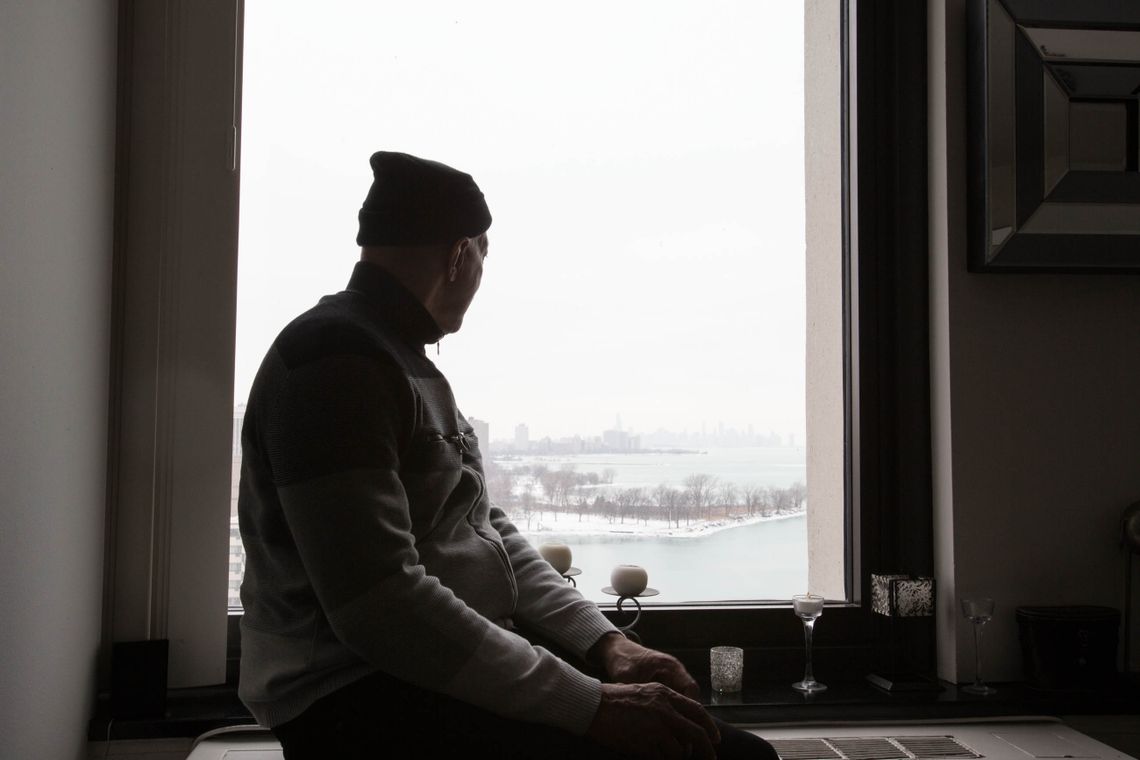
pixel 738 744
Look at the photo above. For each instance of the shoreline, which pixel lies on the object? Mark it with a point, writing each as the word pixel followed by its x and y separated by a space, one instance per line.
pixel 570 526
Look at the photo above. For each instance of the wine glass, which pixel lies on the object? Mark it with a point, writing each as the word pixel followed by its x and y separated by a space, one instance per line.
pixel 808 607
pixel 978 610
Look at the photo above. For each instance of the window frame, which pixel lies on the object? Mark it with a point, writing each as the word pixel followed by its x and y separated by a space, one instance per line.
pixel 888 515
pixel 889 511
pixel 174 284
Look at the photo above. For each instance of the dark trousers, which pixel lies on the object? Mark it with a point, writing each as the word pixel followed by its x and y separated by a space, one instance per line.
pixel 382 717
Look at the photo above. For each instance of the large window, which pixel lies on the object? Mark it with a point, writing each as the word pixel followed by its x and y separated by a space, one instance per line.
pixel 862 327
pixel 635 361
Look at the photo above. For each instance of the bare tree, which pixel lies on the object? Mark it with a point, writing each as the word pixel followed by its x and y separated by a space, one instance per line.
pixel 550 483
pixel 609 509
pixel 557 484
pixel 698 490
pixel 566 481
pixel 782 500
pixel 797 494
pixel 527 502
pixel 752 497
pixel 728 497
pixel 668 501
pixel 627 499
pixel 500 484
pixel 768 500
pixel 581 502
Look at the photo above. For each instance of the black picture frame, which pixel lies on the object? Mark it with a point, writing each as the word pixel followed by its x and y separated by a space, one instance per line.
pixel 1052 136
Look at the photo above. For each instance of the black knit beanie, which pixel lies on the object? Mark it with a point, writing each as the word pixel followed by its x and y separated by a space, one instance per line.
pixel 414 201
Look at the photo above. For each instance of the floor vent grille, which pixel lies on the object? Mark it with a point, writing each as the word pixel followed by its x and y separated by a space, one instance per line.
pixel 869 748
pixel 873 748
pixel 804 749
pixel 934 746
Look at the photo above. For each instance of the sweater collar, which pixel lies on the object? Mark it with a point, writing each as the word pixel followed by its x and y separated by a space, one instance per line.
pixel 396 304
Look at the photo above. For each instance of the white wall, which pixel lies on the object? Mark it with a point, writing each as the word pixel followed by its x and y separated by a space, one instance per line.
pixel 57 90
pixel 1036 410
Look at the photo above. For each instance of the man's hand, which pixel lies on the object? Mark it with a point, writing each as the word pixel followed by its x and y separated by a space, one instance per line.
pixel 628 662
pixel 652 721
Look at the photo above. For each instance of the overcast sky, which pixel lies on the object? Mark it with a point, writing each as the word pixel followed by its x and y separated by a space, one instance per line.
pixel 643 162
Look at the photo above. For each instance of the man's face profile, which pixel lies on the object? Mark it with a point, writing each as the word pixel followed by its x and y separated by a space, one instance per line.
pixel 464 277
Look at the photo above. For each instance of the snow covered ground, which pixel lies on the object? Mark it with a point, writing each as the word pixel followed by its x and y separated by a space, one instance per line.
pixel 595 525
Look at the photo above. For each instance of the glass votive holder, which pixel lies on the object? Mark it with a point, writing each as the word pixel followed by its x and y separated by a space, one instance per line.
pixel 727 668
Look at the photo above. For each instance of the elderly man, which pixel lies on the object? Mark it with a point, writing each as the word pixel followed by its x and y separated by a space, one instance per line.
pixel 384 595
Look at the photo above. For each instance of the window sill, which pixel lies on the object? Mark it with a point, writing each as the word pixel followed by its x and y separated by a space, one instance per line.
pixel 859 701
pixel 192 712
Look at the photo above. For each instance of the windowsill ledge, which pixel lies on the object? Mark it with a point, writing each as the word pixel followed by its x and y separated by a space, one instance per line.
pixel 859 701
pixel 192 712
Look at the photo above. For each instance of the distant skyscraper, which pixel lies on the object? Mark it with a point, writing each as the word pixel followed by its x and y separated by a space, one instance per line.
pixel 239 419
pixel 617 440
pixel 522 437
pixel 482 432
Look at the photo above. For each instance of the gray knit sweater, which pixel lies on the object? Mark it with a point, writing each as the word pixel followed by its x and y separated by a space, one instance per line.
pixel 370 541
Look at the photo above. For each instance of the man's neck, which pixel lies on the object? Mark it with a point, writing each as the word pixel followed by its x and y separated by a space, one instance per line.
pixel 400 307
pixel 416 268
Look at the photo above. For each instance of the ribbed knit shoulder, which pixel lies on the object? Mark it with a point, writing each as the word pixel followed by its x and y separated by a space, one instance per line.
pixel 335 326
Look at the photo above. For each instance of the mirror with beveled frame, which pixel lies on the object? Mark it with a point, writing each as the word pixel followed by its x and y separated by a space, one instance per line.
pixel 1053 136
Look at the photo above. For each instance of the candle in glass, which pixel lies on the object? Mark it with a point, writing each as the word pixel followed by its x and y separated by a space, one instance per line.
pixel 808 607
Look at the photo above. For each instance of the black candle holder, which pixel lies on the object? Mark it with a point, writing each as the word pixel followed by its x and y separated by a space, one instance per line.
pixel 627 629
pixel 569 576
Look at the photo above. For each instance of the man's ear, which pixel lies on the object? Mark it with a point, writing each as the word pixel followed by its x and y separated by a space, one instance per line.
pixel 456 257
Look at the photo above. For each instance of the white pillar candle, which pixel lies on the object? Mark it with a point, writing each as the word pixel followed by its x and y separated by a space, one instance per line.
pixel 629 580
pixel 558 555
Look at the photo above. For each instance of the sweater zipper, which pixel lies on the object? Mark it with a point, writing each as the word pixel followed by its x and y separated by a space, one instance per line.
pixel 498 547
pixel 459 441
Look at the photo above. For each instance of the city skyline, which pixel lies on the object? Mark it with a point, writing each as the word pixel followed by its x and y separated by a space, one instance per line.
pixel 518 435
pixel 616 438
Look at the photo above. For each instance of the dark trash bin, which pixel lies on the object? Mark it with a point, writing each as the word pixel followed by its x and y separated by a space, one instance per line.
pixel 1069 648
